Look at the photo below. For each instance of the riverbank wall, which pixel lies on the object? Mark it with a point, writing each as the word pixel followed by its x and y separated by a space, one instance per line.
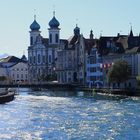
pixel 124 92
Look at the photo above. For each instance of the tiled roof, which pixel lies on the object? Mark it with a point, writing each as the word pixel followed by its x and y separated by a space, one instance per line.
pixel 73 39
pixel 89 44
pixel 11 59
pixel 45 41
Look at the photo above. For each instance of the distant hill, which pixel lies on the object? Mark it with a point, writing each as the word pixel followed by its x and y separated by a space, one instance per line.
pixel 4 55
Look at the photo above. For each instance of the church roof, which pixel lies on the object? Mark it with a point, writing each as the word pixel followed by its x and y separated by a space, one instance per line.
pixel 34 26
pixel 54 23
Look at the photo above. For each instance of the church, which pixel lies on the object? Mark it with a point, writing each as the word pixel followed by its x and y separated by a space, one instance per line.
pixel 42 54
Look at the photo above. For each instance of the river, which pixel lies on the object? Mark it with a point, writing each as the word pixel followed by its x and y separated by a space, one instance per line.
pixel 39 116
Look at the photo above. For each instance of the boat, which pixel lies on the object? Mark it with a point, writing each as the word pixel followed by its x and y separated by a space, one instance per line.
pixel 6 96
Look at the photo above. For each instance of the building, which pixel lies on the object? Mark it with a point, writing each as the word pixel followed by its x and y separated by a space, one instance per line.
pixel 94 69
pixel 121 47
pixel 42 52
pixel 72 57
pixel 14 69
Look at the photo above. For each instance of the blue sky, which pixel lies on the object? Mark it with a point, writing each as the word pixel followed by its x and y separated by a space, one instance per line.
pixel 106 16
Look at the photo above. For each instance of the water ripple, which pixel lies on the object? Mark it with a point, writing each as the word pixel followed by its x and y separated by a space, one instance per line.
pixel 69 118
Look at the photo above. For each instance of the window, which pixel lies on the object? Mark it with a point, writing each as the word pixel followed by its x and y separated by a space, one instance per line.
pixel 50 38
pixel 17 75
pixel 56 38
pixel 92 60
pixel 129 84
pixel 34 59
pixel 43 59
pixel 118 85
pixel 30 59
pixel 93 69
pixel 92 78
pixel 21 75
pixel 38 58
pixel 50 58
pixel 31 40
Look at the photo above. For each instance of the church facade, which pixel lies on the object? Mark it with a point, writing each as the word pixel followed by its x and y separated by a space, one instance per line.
pixel 42 54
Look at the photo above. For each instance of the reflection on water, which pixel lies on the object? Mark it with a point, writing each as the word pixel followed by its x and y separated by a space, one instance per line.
pixel 37 116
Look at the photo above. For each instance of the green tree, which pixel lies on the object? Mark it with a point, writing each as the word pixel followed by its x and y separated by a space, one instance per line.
pixel 119 72
pixel 3 78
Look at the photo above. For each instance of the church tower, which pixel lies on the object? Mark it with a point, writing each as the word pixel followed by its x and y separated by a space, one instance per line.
pixel 34 33
pixel 54 36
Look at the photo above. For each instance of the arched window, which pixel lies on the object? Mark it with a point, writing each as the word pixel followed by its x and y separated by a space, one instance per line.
pixel 31 40
pixel 56 38
pixel 50 38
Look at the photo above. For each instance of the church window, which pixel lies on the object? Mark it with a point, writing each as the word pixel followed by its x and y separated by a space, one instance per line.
pixel 30 60
pixel 34 59
pixel 56 38
pixel 43 59
pixel 49 58
pixel 38 58
pixel 31 40
pixel 50 38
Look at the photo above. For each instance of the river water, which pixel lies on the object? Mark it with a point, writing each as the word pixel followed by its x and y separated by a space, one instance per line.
pixel 35 116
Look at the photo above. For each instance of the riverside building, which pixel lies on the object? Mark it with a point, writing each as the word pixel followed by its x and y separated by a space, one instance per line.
pixel 121 47
pixel 14 69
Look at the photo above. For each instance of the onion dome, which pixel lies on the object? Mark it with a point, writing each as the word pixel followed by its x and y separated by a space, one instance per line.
pixel 54 23
pixel 35 26
pixel 76 30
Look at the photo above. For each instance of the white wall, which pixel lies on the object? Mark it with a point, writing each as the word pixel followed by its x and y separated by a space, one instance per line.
pixel 19 72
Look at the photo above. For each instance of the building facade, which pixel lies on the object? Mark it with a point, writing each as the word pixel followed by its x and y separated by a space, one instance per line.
pixel 121 47
pixel 94 69
pixel 72 58
pixel 42 52
pixel 14 69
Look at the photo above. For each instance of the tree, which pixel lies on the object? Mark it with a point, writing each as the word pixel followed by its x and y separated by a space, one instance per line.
pixel 3 78
pixel 138 79
pixel 119 72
